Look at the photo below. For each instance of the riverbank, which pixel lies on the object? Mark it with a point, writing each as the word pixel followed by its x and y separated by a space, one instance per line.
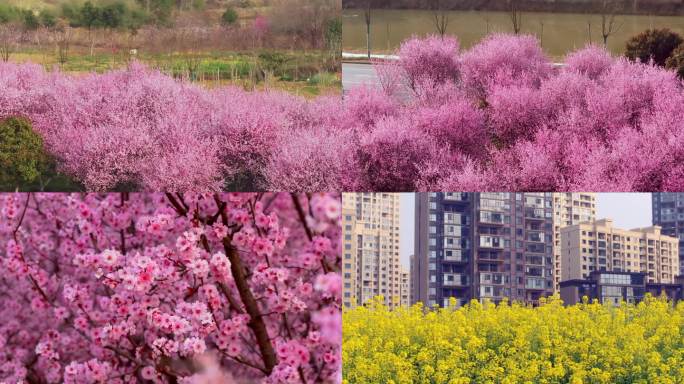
pixel 625 7
pixel 559 33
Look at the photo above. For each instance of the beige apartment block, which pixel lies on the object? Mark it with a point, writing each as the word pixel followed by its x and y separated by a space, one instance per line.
pixel 371 266
pixel 569 209
pixel 405 287
pixel 599 246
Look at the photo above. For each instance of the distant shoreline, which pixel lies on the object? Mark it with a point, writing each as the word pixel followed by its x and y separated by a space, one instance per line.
pixel 623 7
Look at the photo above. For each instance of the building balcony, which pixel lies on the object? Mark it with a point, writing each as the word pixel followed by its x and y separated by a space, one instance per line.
pixel 535 283
pixel 493 278
pixel 491 242
pixel 536 237
pixel 461 197
pixel 534 214
pixel 455 257
pixel 491 218
pixel 455 280
pixel 490 258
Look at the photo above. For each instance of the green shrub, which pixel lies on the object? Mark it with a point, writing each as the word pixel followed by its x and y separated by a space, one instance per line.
pixel 24 164
pixel 9 13
pixel 22 158
pixel 676 60
pixel 30 20
pixel 47 18
pixel 273 62
pixel 324 79
pixel 229 17
pixel 656 44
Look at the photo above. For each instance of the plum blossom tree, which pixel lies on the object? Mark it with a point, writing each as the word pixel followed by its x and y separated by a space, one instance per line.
pixel 505 119
pixel 498 116
pixel 504 60
pixel 434 58
pixel 139 129
pixel 174 288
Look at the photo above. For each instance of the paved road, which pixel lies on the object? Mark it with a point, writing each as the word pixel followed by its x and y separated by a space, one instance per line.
pixel 356 74
pixel 360 74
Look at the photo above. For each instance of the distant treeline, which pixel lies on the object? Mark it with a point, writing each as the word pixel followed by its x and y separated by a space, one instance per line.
pixel 92 14
pixel 651 7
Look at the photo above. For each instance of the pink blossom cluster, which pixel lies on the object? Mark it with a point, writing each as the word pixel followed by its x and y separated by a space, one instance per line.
pixel 139 129
pixel 167 288
pixel 498 116
pixel 507 118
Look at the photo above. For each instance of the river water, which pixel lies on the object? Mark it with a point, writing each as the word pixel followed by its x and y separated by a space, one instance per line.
pixel 559 32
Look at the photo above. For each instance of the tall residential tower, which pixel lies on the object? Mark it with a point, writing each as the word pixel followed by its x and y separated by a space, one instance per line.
pixel 371 265
pixel 483 245
pixel 569 209
pixel 668 213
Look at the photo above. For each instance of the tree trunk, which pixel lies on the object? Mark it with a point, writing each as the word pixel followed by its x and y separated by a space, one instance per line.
pixel 368 44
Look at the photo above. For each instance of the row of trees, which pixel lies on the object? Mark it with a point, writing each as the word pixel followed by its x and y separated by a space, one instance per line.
pixel 115 14
pixel 440 16
pixel 284 25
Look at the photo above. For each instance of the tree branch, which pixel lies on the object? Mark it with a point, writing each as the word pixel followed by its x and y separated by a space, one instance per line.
pixel 256 322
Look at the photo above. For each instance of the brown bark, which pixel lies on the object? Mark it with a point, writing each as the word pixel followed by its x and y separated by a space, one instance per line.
pixel 256 323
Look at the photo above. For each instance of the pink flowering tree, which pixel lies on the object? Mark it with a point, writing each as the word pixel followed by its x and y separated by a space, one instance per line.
pixel 261 27
pixel 175 288
pixel 434 58
pixel 137 129
pixel 500 116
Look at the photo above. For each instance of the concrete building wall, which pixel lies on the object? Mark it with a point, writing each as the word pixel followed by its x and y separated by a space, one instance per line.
pixel 599 246
pixel 668 213
pixel 571 251
pixel 569 209
pixel 484 245
pixel 421 249
pixel 371 265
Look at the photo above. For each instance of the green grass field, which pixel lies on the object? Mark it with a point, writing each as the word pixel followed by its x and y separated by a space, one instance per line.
pixel 297 72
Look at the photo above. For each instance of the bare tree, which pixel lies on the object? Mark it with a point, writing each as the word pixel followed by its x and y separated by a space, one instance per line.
pixel 62 38
pixel 515 15
pixel 367 17
pixel 608 26
pixel 9 40
pixel 589 28
pixel 440 16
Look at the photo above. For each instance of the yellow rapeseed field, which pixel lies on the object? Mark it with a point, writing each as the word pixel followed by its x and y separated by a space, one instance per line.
pixel 506 344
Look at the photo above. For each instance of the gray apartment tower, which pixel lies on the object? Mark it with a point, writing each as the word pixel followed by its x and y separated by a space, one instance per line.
pixel 668 213
pixel 483 245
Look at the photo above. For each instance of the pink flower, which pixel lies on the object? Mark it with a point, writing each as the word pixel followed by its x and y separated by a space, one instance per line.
pixel 165 292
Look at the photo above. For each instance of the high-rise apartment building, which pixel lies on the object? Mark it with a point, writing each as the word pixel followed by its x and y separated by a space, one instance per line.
pixel 371 265
pixel 668 213
pixel 599 246
pixel 483 245
pixel 405 289
pixel 414 272
pixel 569 209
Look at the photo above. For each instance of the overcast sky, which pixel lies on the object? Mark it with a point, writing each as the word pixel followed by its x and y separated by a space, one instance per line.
pixel 628 210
